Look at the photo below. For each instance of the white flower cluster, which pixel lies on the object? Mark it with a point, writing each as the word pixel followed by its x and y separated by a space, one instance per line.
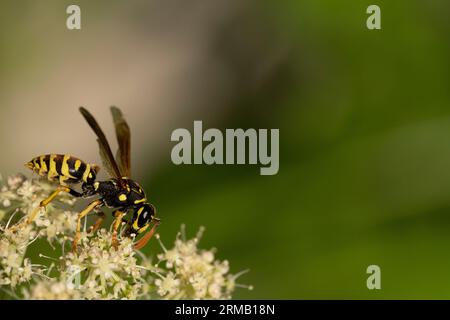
pixel 52 289
pixel 18 196
pixel 97 270
pixel 22 194
pixel 109 273
pixel 14 267
pixel 193 273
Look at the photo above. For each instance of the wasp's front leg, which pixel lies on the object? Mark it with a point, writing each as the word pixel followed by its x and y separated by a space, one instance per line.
pixel 118 215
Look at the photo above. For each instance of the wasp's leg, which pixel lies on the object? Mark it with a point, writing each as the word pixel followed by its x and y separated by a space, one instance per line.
pixel 143 241
pixel 98 223
pixel 30 218
pixel 60 189
pixel 94 204
pixel 118 215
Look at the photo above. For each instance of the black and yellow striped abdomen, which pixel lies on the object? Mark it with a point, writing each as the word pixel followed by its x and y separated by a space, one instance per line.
pixel 63 168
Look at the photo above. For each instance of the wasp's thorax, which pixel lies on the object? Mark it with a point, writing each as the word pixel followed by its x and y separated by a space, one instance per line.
pixel 126 193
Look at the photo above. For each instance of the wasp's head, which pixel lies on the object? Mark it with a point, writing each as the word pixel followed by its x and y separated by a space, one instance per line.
pixel 142 217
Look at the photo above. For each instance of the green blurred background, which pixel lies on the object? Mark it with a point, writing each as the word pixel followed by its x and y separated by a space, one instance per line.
pixel 364 119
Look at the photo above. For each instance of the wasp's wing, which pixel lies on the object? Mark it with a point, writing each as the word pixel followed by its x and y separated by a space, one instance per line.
pixel 105 150
pixel 106 163
pixel 123 139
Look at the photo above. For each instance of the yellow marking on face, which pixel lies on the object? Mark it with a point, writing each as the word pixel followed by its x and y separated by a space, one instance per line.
pixel 43 165
pixel 86 172
pixel 122 197
pixel 52 171
pixel 135 224
pixel 143 228
pixel 96 185
pixel 90 175
pixel 77 164
pixel 141 200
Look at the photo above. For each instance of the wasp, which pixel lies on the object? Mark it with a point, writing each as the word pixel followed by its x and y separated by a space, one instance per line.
pixel 120 192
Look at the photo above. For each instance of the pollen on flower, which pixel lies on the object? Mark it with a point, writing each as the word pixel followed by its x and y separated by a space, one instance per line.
pixel 97 270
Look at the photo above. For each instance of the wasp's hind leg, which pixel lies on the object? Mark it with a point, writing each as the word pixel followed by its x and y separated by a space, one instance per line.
pixel 60 189
pixel 94 204
pixel 44 203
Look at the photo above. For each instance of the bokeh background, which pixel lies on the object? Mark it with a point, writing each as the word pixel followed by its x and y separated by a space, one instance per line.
pixel 364 119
